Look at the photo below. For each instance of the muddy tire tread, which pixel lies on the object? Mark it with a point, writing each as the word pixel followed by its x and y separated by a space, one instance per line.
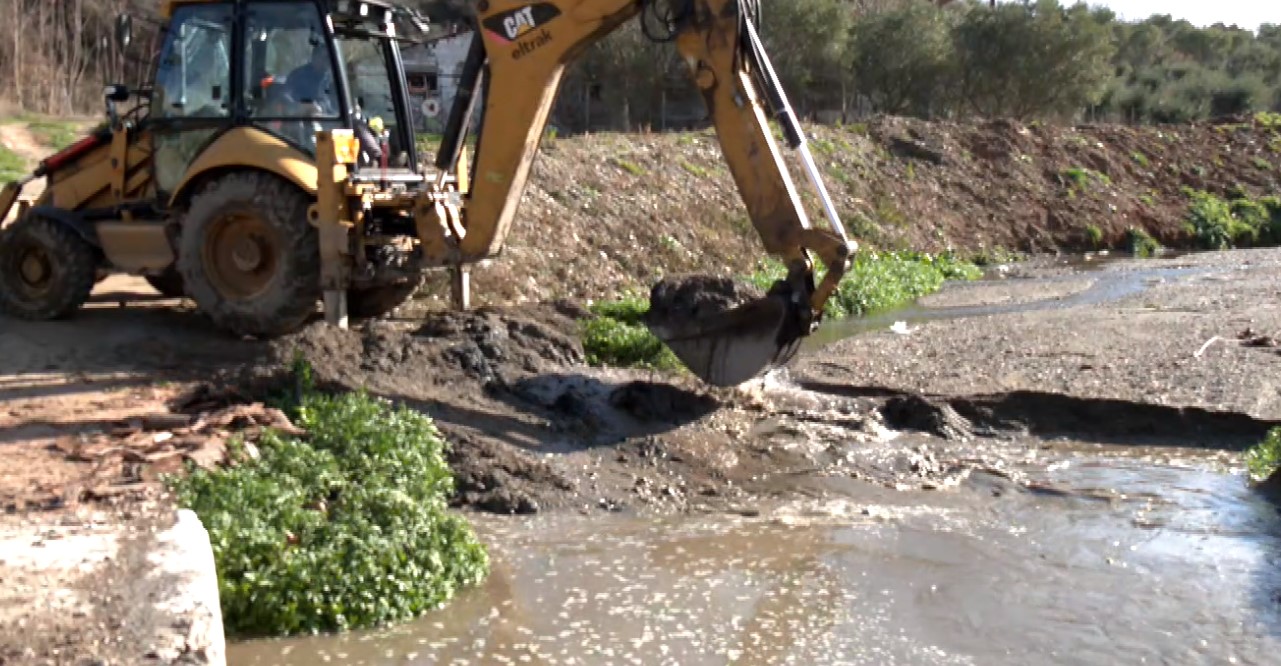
pixel 284 206
pixel 76 256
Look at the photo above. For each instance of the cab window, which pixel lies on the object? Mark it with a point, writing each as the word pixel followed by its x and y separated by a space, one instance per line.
pixel 193 75
pixel 291 88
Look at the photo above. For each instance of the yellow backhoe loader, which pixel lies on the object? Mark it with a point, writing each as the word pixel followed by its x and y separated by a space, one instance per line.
pixel 270 165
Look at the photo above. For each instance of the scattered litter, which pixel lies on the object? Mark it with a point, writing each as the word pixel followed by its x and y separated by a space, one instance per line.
pixel 900 327
pixel 1206 346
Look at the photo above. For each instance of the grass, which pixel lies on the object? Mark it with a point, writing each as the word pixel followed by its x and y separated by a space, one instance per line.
pixel 344 528
pixel 12 166
pixel 694 169
pixel 629 166
pixel 1139 158
pixel 618 337
pixel 54 133
pixel 1264 459
pixel 1079 178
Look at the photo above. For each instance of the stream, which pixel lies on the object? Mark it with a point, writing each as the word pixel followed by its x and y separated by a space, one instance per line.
pixel 1114 555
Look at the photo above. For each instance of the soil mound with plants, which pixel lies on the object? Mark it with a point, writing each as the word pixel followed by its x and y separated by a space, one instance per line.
pixel 609 213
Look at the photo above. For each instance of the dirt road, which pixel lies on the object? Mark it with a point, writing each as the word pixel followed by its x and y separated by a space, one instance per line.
pixel 1170 351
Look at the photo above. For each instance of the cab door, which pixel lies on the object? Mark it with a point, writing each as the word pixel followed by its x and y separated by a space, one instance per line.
pixel 192 96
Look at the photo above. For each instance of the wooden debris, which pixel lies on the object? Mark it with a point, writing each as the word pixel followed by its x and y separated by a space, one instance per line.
pixel 132 456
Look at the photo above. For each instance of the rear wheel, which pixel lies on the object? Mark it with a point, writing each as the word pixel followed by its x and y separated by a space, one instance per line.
pixel 46 270
pixel 371 302
pixel 248 256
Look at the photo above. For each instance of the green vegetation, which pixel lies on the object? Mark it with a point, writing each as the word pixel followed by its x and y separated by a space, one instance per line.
pixel 344 528
pixel 629 166
pixel 1139 158
pixel 1264 459
pixel 1095 235
pixel 12 166
pixel 56 134
pixel 1221 224
pixel 1079 178
pixel 1141 243
pixel 617 336
pixel 694 169
pixel 879 281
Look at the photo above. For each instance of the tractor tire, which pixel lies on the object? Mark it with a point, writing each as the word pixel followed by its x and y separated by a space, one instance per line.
pixel 168 283
pixel 47 271
pixel 248 257
pixel 374 302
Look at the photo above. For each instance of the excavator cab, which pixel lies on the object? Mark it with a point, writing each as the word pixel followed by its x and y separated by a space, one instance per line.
pixel 291 68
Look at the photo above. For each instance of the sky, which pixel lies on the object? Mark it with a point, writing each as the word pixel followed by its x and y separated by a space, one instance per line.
pixel 1248 14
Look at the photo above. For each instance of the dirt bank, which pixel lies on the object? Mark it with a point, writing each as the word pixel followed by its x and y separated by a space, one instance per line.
pixel 612 211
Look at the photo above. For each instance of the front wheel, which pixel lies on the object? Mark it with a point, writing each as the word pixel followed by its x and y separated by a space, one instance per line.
pixel 47 271
pixel 248 256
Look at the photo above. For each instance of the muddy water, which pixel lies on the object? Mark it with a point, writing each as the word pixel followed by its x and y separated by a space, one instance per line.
pixel 1111 557
pixel 1081 282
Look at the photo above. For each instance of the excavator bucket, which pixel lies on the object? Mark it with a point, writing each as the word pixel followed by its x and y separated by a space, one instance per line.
pixel 724 347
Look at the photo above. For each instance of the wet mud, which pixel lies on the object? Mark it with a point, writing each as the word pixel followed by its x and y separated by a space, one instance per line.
pixel 984 451
pixel 679 299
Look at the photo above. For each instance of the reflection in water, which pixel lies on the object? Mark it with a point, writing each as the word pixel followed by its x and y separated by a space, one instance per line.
pixel 1119 561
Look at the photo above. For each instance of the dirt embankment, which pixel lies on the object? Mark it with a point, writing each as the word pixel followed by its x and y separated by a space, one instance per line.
pixel 609 211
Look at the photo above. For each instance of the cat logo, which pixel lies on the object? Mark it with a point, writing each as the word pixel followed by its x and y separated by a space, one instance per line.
pixel 508 27
pixel 519 23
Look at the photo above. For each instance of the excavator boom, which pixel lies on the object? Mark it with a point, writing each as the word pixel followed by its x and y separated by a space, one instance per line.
pixel 516 63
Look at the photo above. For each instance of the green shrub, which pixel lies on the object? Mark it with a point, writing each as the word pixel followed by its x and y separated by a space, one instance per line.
pixel 1221 224
pixel 1210 219
pixel 1264 459
pixel 344 528
pixel 617 336
pixel 1141 243
pixel 879 281
pixel 1095 235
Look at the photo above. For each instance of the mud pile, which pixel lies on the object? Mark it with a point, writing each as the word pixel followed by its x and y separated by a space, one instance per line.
pixel 685 298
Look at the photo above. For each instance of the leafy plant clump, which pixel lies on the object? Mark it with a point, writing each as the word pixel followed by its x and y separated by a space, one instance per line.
pixel 879 281
pixel 617 336
pixel 1264 459
pixel 344 528
pixel 1141 243
pixel 1094 235
pixel 1221 224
